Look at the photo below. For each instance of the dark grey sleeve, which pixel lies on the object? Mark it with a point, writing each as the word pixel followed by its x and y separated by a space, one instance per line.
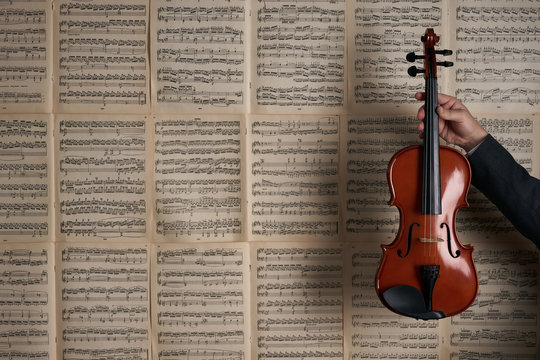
pixel 509 186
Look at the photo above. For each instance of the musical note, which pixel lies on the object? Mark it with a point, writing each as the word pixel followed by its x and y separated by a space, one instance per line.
pixel 104 300
pixel 103 62
pixel 293 156
pixel 101 157
pixel 25 56
pixel 287 314
pixel 201 305
pixel 24 168
pixel 382 33
pixel 502 40
pixel 205 201
pixel 376 331
pixel 506 311
pixel 200 55
pixel 27 300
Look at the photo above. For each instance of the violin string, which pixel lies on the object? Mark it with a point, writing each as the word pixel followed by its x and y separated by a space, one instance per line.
pixel 431 91
pixel 436 138
pixel 426 163
pixel 424 172
pixel 426 129
pixel 430 161
pixel 432 145
pixel 428 151
pixel 431 152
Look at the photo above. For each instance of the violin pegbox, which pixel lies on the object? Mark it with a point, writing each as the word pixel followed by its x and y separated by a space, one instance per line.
pixel 430 40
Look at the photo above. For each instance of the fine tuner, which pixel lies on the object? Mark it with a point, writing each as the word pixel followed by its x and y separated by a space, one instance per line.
pixel 412 57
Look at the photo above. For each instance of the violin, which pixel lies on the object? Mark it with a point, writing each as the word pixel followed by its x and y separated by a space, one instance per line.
pixel 426 273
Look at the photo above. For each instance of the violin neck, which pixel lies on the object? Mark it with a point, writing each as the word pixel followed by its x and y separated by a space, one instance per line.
pixel 431 183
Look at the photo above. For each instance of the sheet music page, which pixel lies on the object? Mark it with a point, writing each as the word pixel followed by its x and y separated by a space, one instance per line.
pixel 200 56
pixel 497 54
pixel 26 188
pixel 502 323
pixel 26 56
pixel 101 61
pixel 293 177
pixel 201 301
pixel 482 221
pixel 27 301
pixel 298 301
pixel 367 147
pixel 382 33
pixel 103 300
pixel 102 176
pixel 497 70
pixel 298 56
pixel 235 209
pixel 373 331
pixel 198 177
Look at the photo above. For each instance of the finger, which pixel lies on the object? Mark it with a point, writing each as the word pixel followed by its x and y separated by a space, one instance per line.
pixel 443 98
pixel 450 114
pixel 449 102
pixel 421 114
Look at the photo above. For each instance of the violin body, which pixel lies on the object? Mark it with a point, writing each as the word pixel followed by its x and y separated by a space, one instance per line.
pixel 429 239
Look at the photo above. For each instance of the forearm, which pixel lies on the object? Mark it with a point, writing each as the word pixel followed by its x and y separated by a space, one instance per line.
pixel 509 186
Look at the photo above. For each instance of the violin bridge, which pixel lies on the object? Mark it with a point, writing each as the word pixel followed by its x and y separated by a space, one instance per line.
pixel 430 240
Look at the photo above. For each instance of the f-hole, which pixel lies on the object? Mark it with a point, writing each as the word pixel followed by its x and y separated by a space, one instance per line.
pixel 458 253
pixel 409 239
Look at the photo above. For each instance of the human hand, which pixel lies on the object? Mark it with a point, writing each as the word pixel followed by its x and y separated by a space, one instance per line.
pixel 456 124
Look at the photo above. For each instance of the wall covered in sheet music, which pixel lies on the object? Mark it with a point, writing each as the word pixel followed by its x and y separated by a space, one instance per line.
pixel 206 179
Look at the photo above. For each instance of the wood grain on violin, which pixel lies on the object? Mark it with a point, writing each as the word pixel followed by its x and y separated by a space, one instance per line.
pixel 426 273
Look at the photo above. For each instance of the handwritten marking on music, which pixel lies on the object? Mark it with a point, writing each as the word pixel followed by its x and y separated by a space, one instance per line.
pixel 294 168
pixel 102 63
pixel 202 302
pixel 198 177
pixel 25 175
pixel 102 177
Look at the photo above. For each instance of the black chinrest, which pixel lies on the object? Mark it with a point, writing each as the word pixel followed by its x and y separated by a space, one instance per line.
pixel 409 301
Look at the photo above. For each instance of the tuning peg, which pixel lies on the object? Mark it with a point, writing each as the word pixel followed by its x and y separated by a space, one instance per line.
pixel 445 63
pixel 444 52
pixel 413 70
pixel 412 57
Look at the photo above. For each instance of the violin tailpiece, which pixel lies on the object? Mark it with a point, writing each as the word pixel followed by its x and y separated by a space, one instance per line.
pixel 409 301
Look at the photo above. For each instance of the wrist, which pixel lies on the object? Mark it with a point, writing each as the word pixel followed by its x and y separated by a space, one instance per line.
pixel 475 141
